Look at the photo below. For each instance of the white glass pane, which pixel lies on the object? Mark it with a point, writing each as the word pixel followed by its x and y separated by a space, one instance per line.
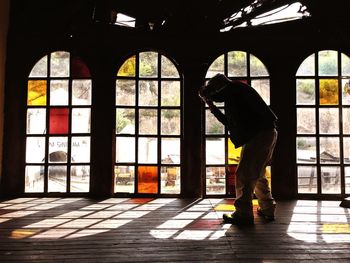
pixel 34 179
pixel 215 150
pixel 345 69
pixel 170 151
pixel 80 178
pixel 215 180
pixel 35 150
pixel 306 150
pixel 328 63
pixel 59 64
pixel 346 143
pixel 237 64
pixel 257 68
pixel 307 180
pixel 81 120
pixel 170 122
pixel 212 125
pixel 346 92
pixel 148 121
pixel 305 91
pixel 329 150
pixel 330 178
pixel 170 180
pixel 329 120
pixel 57 178
pixel 307 67
pixel 262 86
pixel 80 150
pixel 346 120
pixel 170 91
pixel 347 180
pixel 124 179
pixel 216 67
pixel 40 68
pixel 125 92
pixel 125 121
pixel 148 64
pixel 306 121
pixel 58 149
pixel 81 92
pixel 58 92
pixel 125 149
pixel 36 121
pixel 147 150
pixel 168 68
pixel 148 93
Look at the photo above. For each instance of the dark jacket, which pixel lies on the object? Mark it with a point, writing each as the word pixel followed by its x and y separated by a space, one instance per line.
pixel 246 113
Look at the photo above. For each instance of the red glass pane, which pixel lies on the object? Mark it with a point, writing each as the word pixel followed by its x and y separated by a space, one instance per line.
pixel 231 177
pixel 147 179
pixel 58 121
pixel 79 69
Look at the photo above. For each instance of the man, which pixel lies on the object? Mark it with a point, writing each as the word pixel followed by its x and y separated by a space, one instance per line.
pixel 251 124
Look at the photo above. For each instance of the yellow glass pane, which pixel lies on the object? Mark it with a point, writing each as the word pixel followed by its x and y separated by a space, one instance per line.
pixel 329 92
pixel 128 68
pixel 147 179
pixel 36 92
pixel 233 153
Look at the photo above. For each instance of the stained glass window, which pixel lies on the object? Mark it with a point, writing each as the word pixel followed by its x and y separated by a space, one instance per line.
pixel 58 106
pixel 148 126
pixel 322 106
pixel 221 156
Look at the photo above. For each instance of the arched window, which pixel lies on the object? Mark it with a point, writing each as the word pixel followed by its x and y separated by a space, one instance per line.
pixel 148 126
pixel 323 124
pixel 221 157
pixel 58 125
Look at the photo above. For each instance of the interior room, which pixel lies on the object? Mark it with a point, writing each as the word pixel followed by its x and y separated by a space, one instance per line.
pixel 108 153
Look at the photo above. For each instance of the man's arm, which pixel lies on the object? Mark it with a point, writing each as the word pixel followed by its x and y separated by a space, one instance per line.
pixel 216 112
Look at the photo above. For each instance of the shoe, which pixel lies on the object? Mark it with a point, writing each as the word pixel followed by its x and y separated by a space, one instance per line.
pixel 267 215
pixel 236 219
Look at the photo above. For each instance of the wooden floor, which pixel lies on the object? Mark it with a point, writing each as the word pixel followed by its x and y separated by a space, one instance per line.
pixel 168 230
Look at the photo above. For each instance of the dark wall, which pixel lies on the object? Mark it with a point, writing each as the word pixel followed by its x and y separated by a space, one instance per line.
pixel 38 27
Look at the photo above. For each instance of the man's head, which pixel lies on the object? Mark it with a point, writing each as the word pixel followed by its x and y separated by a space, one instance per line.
pixel 213 89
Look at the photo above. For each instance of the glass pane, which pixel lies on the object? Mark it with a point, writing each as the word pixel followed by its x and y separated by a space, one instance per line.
pixel 215 150
pixel 234 154
pixel 328 63
pixel 58 120
pixel 168 68
pixel 306 150
pixel 125 149
pixel 58 149
pixel 262 86
pixel 347 180
pixel 215 180
pixel 57 178
pixel 346 149
pixel 212 125
pixel 148 93
pixel 81 92
pixel 307 180
pixel 147 179
pixel 257 68
pixel 330 178
pixel 147 151
pixel 124 179
pixel 170 91
pixel 80 149
pixel 59 92
pixel 170 180
pixel 170 122
pixel 35 150
pixel 307 67
pixel 305 91
pixel 329 150
pixel 170 151
pixel 148 121
pixel 40 69
pixel 34 179
pixel 148 64
pixel 36 93
pixel 81 120
pixel 306 121
pixel 237 64
pixel 128 68
pixel 329 120
pixel 346 120
pixel 346 91
pixel 125 121
pixel 216 67
pixel 59 64
pixel 329 92
pixel 79 68
pixel 80 178
pixel 36 121
pixel 345 62
pixel 125 92
pixel 231 179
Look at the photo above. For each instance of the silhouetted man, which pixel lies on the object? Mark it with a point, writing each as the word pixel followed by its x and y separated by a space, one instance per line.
pixel 252 125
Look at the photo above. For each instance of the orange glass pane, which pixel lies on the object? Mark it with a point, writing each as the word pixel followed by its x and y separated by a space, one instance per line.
pixel 147 179
pixel 36 93
pixel 233 153
pixel 329 91
pixel 128 68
